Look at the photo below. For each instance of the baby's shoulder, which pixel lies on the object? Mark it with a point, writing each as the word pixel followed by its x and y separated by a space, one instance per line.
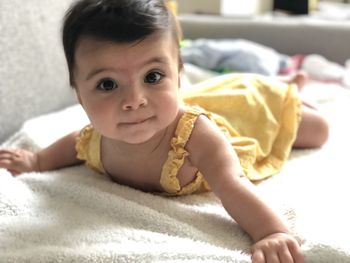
pixel 204 129
pixel 195 123
pixel 190 120
pixel 208 146
pixel 205 135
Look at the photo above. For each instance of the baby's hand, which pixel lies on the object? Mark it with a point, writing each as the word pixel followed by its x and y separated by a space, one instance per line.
pixel 277 248
pixel 19 161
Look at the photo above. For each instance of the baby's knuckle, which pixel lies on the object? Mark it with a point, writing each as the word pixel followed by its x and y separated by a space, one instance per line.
pixel 292 242
pixel 275 242
pixel 267 246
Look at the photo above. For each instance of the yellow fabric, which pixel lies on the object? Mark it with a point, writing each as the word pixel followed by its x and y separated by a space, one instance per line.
pixel 88 148
pixel 177 155
pixel 259 116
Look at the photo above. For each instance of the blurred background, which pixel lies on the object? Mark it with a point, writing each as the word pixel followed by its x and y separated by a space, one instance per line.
pixel 330 9
pixel 309 35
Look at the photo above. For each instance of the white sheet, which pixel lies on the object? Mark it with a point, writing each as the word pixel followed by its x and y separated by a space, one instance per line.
pixel 76 215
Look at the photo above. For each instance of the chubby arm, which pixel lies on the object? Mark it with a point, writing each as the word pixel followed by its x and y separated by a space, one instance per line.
pixel 60 154
pixel 213 155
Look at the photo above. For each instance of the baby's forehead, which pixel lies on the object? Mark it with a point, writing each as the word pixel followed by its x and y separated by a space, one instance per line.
pixel 95 53
pixel 87 44
pixel 162 42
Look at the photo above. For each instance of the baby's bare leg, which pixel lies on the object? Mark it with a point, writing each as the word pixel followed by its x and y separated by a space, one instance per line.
pixel 313 130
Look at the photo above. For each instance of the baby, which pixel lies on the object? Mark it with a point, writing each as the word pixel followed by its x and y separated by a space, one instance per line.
pixel 124 63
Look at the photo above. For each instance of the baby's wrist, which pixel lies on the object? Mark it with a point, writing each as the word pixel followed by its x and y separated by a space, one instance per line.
pixel 37 167
pixel 285 234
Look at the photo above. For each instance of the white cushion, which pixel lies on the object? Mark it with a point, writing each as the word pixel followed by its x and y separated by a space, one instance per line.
pixel 33 73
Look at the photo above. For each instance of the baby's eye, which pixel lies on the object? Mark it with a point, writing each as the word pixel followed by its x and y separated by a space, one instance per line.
pixel 107 85
pixel 153 77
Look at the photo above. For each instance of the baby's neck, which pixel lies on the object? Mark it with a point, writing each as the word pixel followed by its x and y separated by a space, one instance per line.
pixel 143 148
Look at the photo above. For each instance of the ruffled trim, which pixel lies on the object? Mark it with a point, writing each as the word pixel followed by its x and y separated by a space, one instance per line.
pixel 82 143
pixel 178 153
pixel 88 148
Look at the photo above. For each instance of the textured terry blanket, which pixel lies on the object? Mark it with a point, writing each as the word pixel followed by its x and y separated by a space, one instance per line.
pixel 76 215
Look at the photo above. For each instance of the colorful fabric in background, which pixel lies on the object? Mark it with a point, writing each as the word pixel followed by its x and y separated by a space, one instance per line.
pixel 219 56
pixel 233 55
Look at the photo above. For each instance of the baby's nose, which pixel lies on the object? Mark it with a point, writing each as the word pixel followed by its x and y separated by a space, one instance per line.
pixel 134 99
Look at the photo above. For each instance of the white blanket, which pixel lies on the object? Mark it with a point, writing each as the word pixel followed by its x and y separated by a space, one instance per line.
pixel 76 215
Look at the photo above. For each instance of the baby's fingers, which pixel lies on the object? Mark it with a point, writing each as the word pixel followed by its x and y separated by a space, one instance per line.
pixel 6 158
pixel 9 165
pixel 282 255
pixel 296 252
pixel 8 152
pixel 258 256
pixel 285 255
pixel 5 154
pixel 279 248
pixel 268 256
pixel 13 161
pixel 10 155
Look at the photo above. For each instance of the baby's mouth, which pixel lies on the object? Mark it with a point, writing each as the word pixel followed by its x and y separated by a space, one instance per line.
pixel 135 122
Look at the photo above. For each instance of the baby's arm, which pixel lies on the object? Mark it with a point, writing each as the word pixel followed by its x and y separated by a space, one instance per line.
pixel 213 155
pixel 60 154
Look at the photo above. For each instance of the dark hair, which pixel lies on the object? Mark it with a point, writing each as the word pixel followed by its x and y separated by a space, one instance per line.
pixel 119 21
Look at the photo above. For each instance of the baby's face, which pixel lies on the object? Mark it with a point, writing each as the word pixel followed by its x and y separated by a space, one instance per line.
pixel 129 91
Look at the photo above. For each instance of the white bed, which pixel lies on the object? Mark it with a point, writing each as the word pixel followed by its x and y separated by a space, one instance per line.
pixel 76 215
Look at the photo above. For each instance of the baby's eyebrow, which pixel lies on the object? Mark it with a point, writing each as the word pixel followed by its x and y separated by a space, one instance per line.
pixel 161 60
pixel 97 71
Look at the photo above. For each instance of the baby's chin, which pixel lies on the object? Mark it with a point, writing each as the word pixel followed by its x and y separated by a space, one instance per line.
pixel 137 138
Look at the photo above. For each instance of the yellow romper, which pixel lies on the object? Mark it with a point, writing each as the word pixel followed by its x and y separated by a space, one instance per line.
pixel 259 116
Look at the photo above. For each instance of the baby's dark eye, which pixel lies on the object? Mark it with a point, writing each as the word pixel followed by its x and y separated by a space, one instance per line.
pixel 153 77
pixel 107 85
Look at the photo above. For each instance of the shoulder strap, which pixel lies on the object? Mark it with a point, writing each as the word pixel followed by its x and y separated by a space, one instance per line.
pixel 88 148
pixel 177 154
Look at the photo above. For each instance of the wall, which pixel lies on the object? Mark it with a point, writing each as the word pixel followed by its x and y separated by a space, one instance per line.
pixel 199 6
pixel 226 7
